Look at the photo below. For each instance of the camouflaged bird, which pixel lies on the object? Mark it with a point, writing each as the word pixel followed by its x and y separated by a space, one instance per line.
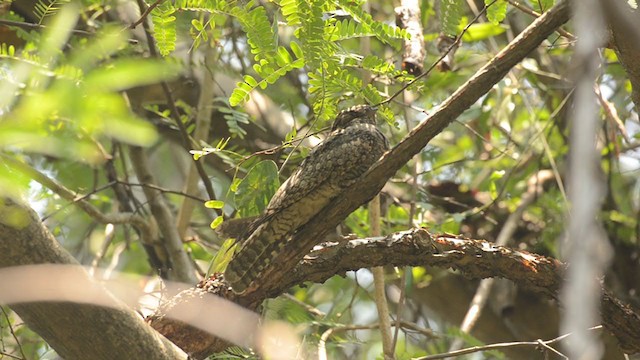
pixel 353 145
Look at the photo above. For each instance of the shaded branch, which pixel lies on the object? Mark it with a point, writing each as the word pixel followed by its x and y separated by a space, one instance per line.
pixel 97 332
pixel 182 267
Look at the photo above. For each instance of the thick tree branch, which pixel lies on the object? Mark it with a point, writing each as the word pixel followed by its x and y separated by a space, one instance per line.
pixel 476 259
pixel 95 332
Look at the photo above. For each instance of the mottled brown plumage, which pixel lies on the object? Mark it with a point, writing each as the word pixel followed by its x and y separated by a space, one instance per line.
pixel 352 147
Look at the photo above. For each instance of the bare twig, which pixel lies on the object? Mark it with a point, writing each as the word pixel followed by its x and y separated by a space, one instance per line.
pixel 13 334
pixel 145 14
pixel 182 267
pixel 80 200
pixel 497 346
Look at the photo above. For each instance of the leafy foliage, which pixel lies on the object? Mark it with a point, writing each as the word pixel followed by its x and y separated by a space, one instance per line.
pixel 164 27
pixel 385 33
pixel 497 11
pixel 316 48
pixel 45 81
pixel 46 8
pixel 62 110
pixel 450 16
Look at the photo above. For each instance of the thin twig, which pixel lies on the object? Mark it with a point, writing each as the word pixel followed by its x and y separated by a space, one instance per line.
pixel 497 346
pixel 145 14
pixel 30 26
pixel 310 309
pixel 322 350
pixel 525 9
pixel 87 207
pixel 13 334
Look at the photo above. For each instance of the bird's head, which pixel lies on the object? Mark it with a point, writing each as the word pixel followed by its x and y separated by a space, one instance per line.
pixel 355 114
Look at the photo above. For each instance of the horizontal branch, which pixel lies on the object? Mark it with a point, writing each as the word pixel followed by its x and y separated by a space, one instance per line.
pixel 476 259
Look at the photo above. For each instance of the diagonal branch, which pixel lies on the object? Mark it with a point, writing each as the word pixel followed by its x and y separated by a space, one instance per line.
pixel 80 200
pixel 371 183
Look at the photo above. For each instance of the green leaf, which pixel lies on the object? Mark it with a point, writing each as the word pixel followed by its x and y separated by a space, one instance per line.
pixel 222 258
pixel 496 12
pixel 234 185
pixel 46 8
pixel 216 222
pixel 479 32
pixel 214 204
pixel 450 16
pixel 197 24
pixel 257 188
pixel 164 27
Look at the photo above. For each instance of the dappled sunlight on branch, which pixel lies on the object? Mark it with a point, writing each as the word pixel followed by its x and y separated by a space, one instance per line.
pixel 212 314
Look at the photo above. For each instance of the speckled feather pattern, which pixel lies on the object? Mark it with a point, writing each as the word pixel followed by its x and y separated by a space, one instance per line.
pixel 350 149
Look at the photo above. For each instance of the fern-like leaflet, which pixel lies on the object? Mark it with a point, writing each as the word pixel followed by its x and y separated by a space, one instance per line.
pixel 164 27
pixel 450 16
pixel 44 8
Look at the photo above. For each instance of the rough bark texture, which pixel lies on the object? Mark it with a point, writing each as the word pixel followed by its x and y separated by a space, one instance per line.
pixel 75 331
pixel 408 17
